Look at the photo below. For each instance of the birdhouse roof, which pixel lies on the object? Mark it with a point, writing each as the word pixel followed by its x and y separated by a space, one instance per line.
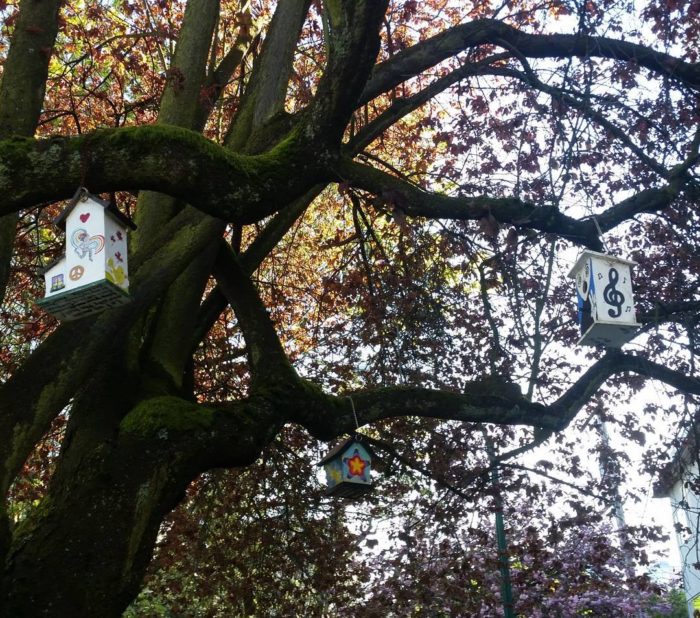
pixel 586 253
pixel 60 220
pixel 342 446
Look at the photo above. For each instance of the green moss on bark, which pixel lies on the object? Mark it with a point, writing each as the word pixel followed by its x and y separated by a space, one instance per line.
pixel 168 414
pixel 171 160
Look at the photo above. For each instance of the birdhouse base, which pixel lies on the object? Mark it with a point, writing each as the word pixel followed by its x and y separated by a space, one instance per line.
pixel 346 489
pixel 609 334
pixel 83 301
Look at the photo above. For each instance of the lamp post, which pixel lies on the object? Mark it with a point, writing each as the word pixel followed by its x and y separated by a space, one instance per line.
pixel 503 560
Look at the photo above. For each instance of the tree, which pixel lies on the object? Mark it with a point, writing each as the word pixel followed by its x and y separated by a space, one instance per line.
pixel 365 202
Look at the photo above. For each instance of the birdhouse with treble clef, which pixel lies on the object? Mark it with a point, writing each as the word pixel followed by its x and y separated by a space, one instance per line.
pixel 605 302
pixel 92 274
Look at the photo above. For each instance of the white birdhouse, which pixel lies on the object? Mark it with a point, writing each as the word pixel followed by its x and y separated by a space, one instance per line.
pixel 605 301
pixel 92 275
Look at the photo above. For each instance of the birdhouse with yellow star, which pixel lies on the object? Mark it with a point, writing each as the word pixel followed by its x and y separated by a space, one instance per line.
pixel 348 468
pixel 92 274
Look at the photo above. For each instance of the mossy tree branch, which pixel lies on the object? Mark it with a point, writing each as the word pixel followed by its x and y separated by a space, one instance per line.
pixel 181 163
pixel 159 447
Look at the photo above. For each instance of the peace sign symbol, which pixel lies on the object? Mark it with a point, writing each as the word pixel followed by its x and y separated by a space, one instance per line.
pixel 76 272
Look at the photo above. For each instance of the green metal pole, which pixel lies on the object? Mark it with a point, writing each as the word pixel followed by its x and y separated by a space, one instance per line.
pixel 503 560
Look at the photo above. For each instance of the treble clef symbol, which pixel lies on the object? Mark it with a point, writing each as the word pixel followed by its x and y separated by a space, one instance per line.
pixel 612 295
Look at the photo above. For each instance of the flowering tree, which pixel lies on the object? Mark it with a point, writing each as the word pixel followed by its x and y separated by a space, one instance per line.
pixel 349 213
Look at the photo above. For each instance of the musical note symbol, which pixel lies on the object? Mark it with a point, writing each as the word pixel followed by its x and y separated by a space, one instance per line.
pixel 612 295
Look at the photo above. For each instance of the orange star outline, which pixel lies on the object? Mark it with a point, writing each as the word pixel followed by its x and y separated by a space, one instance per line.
pixel 356 465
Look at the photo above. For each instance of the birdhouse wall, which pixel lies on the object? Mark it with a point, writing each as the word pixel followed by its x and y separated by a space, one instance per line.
pixel 85 244
pixel 116 266
pixel 334 473
pixel 612 287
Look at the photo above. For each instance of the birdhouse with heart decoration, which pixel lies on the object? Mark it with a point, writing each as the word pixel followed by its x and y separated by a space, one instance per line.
pixel 348 468
pixel 92 275
pixel 606 313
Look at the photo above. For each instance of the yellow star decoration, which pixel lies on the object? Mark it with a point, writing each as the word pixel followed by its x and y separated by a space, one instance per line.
pixel 356 465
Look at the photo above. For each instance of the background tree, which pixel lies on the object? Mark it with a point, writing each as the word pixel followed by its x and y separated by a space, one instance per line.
pixel 342 199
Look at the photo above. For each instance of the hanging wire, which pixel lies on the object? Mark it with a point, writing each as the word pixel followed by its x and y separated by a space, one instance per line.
pixel 600 233
pixel 352 403
pixel 37 232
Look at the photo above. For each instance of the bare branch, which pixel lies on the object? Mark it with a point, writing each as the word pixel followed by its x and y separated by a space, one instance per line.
pixel 489 401
pixel 418 203
pixel 614 362
pixel 557 94
pixel 415 202
pixel 402 106
pixel 416 59
pixel 268 361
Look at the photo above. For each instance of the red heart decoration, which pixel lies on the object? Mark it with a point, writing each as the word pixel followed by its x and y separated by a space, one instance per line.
pixel 85 217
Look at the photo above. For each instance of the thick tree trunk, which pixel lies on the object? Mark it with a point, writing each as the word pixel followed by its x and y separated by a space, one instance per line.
pixel 84 550
pixel 22 94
